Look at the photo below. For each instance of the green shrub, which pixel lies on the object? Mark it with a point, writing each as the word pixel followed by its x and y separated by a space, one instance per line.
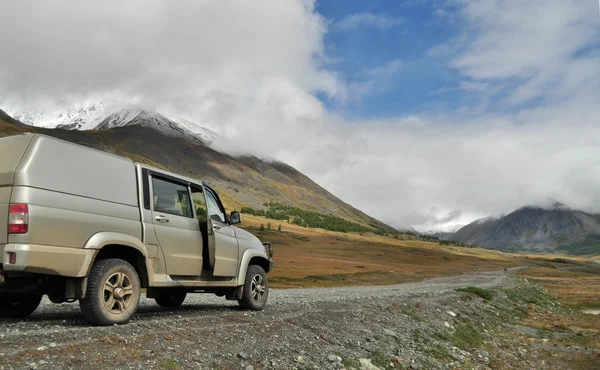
pixel 483 293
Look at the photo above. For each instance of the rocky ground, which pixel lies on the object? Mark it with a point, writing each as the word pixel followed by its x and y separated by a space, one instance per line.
pixel 425 325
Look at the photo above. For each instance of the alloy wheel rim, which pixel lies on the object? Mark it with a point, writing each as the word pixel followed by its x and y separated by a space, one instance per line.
pixel 118 293
pixel 258 288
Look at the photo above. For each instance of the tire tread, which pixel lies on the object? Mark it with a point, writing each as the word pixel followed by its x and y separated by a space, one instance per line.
pixel 91 311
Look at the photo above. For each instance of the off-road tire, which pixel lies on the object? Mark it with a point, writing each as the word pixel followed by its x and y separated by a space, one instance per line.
pixel 18 306
pixel 170 298
pixel 112 294
pixel 256 289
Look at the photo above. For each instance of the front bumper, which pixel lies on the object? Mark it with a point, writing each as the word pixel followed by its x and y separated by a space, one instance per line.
pixel 48 260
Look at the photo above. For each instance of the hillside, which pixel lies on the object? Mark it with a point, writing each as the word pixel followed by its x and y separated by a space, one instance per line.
pixel 536 229
pixel 242 181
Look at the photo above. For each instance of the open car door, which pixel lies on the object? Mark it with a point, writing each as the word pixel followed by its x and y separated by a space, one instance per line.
pixel 223 245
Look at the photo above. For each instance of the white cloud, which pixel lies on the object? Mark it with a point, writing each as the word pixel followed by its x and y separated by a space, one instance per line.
pixel 366 19
pixel 66 49
pixel 251 72
pixel 535 44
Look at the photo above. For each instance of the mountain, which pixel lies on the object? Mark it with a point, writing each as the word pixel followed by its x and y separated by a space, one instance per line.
pixel 84 117
pixel 536 229
pixel 241 181
pixel 182 128
pixel 444 233
pixel 106 115
pixel 406 229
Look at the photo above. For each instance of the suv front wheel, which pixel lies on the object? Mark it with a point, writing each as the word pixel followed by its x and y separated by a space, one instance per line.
pixel 113 293
pixel 256 289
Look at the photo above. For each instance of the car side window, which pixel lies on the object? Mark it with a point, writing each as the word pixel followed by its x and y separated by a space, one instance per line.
pixel 171 198
pixel 199 204
pixel 214 211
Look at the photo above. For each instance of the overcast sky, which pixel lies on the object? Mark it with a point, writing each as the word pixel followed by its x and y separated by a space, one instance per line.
pixel 428 113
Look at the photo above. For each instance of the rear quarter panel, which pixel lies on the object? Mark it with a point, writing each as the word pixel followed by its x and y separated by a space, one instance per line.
pixel 74 192
pixel 66 220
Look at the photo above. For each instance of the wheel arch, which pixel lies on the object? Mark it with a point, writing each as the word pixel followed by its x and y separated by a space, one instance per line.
pixel 125 247
pixel 252 257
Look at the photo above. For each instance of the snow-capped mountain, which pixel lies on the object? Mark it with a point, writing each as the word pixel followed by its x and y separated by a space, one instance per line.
pixel 490 218
pixel 83 117
pixel 107 115
pixel 203 133
pixel 450 229
pixel 181 128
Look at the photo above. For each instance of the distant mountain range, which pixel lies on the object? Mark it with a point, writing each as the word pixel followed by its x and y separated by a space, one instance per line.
pixel 535 229
pixel 184 147
pixel 444 232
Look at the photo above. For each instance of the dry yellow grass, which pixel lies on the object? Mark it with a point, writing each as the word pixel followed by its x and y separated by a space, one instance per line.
pixel 316 257
pixel 575 286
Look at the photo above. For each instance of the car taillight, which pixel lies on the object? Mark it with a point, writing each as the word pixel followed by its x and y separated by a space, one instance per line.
pixel 18 219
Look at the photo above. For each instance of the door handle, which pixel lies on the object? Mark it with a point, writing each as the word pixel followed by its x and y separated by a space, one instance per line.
pixel 216 227
pixel 161 218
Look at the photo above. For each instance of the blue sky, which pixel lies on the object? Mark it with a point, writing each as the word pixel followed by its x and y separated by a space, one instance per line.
pixel 368 36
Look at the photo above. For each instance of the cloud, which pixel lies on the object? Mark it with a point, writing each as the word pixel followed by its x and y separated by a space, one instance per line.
pixel 367 20
pixel 179 51
pixel 533 44
pixel 255 78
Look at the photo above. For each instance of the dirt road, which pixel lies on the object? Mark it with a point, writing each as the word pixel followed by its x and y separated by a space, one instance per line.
pixel 302 328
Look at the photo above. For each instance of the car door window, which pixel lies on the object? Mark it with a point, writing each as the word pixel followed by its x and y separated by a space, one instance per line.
pixel 199 204
pixel 214 211
pixel 171 198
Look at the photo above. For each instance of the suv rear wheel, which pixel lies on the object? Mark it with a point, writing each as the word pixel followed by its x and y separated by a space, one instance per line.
pixel 113 293
pixel 256 289
pixel 18 306
pixel 170 298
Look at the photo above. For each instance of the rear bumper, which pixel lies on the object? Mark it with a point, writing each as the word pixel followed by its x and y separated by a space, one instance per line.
pixel 48 260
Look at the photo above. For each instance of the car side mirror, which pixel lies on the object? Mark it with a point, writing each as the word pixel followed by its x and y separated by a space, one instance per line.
pixel 235 217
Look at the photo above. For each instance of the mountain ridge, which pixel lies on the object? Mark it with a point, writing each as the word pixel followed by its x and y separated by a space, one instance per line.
pixel 106 115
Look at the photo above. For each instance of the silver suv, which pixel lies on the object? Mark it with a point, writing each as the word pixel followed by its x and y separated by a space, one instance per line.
pixel 86 225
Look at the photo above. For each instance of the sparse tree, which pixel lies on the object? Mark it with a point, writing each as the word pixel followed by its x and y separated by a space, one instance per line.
pixel 279 228
pixel 269 225
pixel 262 227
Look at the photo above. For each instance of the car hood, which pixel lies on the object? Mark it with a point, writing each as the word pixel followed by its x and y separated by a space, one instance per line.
pixel 244 235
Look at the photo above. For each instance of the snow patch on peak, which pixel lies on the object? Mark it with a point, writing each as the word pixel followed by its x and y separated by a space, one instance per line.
pixel 84 116
pixel 493 217
pixel 448 229
pixel 124 116
pixel 178 128
pixel 104 115
pixel 206 135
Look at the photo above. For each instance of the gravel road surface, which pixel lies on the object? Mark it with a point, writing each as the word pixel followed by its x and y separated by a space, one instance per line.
pixel 299 328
